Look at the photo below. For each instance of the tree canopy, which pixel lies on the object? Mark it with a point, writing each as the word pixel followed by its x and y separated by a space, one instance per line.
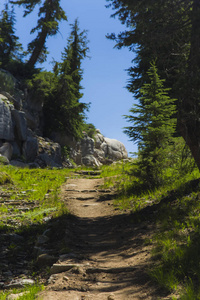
pixel 169 32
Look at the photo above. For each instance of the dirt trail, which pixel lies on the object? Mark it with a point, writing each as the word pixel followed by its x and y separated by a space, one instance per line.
pixel 108 249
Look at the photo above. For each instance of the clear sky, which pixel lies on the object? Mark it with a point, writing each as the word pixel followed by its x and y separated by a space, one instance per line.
pixel 104 77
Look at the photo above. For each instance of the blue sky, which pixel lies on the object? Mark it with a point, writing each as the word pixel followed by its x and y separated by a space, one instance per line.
pixel 104 78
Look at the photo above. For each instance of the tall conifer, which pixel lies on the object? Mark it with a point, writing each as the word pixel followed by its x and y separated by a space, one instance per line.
pixel 152 126
pixel 65 112
pixel 9 45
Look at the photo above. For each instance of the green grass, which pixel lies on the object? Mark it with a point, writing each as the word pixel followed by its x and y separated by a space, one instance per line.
pixel 38 188
pixel 29 293
pixel 175 207
pixel 176 215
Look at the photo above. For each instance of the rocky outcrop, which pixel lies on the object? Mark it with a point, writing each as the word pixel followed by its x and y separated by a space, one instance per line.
pixel 6 123
pixel 18 143
pixel 22 144
pixel 98 151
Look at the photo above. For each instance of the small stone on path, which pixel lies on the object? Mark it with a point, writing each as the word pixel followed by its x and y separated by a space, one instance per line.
pixel 111 297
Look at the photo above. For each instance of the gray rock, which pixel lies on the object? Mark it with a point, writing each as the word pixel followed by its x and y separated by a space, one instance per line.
pixel 114 149
pixel 76 155
pixel 18 163
pixel 6 124
pixel 44 160
pixel 16 296
pixel 17 102
pixel 42 239
pixel 99 139
pixel 16 238
pixel 87 146
pixel 21 283
pixel 65 257
pixel 100 155
pixel 27 281
pixel 63 139
pixel 90 160
pixel 20 124
pixel 45 260
pixel 30 148
pixel 38 251
pixel 59 268
pixel 49 153
pixel 16 149
pixel 6 150
pixel 52 279
pixel 32 122
pixel 33 165
pixel 68 164
pixel 8 274
pixel 99 151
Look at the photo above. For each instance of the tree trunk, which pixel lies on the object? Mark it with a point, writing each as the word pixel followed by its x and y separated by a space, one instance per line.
pixel 42 36
pixel 189 112
pixel 38 49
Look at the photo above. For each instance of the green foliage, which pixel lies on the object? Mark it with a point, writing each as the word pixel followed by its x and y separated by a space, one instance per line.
pixel 5 178
pixel 174 209
pixel 7 83
pixel 90 129
pixel 152 126
pixel 177 243
pixel 50 14
pixel 36 186
pixel 9 46
pixel 29 293
pixel 155 29
pixel 167 31
pixel 42 86
pixel 63 110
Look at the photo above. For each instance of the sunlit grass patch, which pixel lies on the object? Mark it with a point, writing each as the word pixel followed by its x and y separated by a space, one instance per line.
pixel 5 178
pixel 30 195
pixel 28 293
pixel 177 243
pixel 175 210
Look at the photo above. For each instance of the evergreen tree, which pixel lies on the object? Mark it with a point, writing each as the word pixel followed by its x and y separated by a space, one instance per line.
pixel 169 31
pixel 155 30
pixel 189 107
pixel 152 127
pixel 9 45
pixel 65 112
pixel 50 14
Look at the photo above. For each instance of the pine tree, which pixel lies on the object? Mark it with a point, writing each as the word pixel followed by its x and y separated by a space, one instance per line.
pixel 9 45
pixel 152 127
pixel 155 30
pixel 169 31
pixel 50 14
pixel 68 112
